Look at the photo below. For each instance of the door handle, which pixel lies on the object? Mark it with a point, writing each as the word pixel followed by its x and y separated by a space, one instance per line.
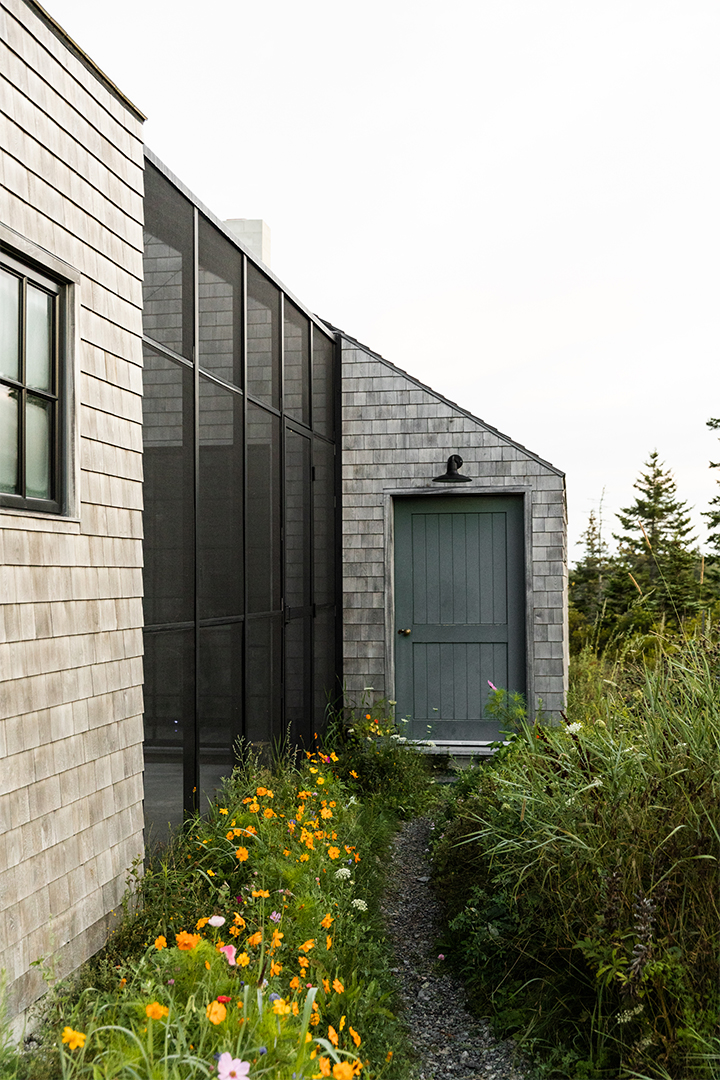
pixel 404 632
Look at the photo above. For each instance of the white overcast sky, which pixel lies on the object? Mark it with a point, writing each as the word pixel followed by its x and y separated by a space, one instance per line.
pixel 517 201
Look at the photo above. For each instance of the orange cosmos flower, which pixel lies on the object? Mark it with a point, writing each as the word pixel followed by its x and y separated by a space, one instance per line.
pixel 338 987
pixel 334 852
pixel 295 983
pixel 327 921
pixel 160 942
pixel 241 854
pixel 355 1037
pixel 186 942
pixel 328 942
pixel 308 945
pixel 343 1070
pixel 156 1011
pixel 276 939
pixel 333 1035
pixel 260 892
pixel 216 1012
pixel 255 939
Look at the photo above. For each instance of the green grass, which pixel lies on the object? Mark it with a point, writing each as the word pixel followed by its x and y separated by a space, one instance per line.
pixel 581 871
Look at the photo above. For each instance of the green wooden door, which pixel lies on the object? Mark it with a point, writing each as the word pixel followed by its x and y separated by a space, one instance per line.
pixel 460 591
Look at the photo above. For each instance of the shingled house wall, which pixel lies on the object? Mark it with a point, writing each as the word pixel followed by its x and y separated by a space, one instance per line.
pixel 397 436
pixel 71 185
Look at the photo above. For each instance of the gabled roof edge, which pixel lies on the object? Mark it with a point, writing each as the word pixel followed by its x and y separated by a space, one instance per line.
pixel 446 401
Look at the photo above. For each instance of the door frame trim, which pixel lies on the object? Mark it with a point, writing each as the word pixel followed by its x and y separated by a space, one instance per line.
pixel 389 496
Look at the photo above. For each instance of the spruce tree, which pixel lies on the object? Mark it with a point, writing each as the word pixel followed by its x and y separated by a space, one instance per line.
pixel 656 560
pixel 587 587
pixel 713 514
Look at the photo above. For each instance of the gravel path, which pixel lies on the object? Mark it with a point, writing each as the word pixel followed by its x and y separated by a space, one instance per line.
pixel 449 1041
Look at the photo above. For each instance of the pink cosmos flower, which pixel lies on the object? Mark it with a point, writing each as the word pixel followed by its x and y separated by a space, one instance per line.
pixel 230 1068
pixel 492 685
pixel 229 953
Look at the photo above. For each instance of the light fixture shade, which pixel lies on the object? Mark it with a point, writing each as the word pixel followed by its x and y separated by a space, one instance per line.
pixel 452 476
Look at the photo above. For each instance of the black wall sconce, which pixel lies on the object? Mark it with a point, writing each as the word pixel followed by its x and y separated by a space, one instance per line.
pixel 452 476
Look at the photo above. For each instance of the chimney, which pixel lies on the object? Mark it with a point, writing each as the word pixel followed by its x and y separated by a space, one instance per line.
pixel 255 234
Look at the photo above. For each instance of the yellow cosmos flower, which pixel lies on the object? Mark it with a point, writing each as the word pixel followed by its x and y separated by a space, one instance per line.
pixel 74 1039
pixel 304 857
pixel 312 770
pixel 281 1007
pixel 216 1012
pixel 223 811
pixel 160 942
pixel 320 780
pixel 325 813
pixel 243 959
pixel 156 1011
pixel 353 773
pixel 260 892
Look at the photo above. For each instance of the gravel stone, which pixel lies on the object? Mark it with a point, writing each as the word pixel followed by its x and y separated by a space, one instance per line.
pixel 448 1040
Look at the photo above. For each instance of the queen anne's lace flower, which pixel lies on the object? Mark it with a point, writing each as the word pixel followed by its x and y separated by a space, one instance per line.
pixel 343 873
pixel 360 905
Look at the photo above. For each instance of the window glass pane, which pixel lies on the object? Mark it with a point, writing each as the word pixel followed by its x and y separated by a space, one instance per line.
pixel 168 491
pixel 38 433
pixel 296 388
pixel 38 339
pixel 168 265
pixel 324 522
pixel 169 695
pixel 263 667
pixel 263 338
pixel 326 688
pixel 219 304
pixel 9 325
pixel 220 520
pixel 298 679
pixel 220 704
pixel 8 440
pixel 323 382
pixel 297 520
pixel 263 524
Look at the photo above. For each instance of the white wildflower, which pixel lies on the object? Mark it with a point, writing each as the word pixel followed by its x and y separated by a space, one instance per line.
pixel 626 1016
pixel 572 729
pixel 342 874
pixel 360 905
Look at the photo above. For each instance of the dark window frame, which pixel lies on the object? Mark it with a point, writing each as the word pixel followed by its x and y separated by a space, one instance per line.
pixel 29 274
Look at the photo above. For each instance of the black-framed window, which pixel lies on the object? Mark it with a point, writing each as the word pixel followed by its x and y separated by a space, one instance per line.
pixel 30 388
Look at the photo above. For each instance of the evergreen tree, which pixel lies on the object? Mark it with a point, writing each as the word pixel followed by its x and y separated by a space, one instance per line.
pixel 713 514
pixel 656 572
pixel 587 586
